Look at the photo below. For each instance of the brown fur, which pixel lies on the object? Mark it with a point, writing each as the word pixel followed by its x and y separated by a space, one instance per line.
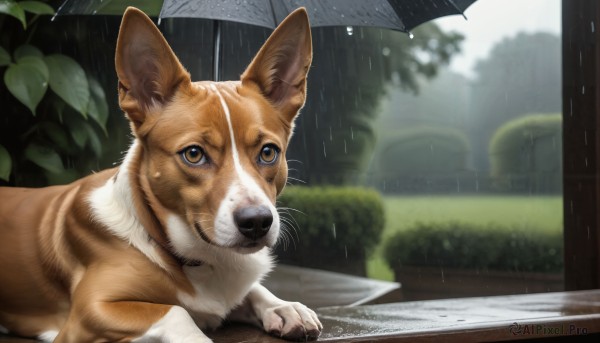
pixel 62 269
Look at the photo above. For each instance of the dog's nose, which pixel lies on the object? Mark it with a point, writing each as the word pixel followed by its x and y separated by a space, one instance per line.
pixel 253 221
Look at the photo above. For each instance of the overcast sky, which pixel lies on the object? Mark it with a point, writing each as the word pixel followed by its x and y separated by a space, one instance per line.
pixel 489 21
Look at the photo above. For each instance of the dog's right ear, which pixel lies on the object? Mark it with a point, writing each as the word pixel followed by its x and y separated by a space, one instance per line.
pixel 148 70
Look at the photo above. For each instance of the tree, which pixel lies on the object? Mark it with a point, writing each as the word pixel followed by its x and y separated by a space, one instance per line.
pixel 521 75
pixel 348 79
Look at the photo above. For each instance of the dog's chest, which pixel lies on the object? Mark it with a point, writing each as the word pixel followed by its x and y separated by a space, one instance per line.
pixel 220 288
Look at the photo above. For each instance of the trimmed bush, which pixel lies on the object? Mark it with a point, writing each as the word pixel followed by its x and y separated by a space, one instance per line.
pixel 526 154
pixel 420 159
pixel 471 246
pixel 332 226
pixel 425 150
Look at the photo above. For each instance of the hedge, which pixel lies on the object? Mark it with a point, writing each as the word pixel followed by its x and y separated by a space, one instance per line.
pixel 471 246
pixel 425 150
pixel 527 153
pixel 330 223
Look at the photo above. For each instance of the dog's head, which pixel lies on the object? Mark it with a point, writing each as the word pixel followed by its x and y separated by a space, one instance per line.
pixel 212 155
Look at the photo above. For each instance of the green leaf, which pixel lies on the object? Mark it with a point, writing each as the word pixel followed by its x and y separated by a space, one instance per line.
pixel 57 135
pixel 93 140
pixel 4 57
pixel 98 108
pixel 36 63
pixel 36 7
pixel 5 164
pixel 44 157
pixel 27 81
pixel 64 177
pixel 68 81
pixel 78 131
pixel 27 50
pixel 13 9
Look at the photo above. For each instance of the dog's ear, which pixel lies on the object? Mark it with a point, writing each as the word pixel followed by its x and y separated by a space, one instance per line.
pixel 148 70
pixel 281 66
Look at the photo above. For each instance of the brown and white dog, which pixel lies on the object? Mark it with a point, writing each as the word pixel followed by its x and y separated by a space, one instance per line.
pixel 177 238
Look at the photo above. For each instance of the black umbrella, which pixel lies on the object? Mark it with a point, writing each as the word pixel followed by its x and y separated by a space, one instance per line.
pixel 401 15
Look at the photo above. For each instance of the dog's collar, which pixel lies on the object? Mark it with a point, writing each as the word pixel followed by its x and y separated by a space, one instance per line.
pixel 181 261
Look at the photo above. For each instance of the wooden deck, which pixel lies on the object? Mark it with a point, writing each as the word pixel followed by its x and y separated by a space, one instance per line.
pixel 564 316
pixel 547 317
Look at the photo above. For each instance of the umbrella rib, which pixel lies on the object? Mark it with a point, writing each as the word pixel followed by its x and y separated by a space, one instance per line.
pixel 458 9
pixel 60 8
pixel 275 22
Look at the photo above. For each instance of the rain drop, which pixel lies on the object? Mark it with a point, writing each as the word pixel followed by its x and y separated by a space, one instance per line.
pixel 593 26
pixel 583 89
pixel 334 233
pixel 324 151
pixel 349 30
pixel 410 35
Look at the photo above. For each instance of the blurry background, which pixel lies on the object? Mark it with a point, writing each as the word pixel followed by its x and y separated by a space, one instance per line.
pixel 432 159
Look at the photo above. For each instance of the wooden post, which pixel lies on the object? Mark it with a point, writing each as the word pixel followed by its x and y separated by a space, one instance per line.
pixel 581 142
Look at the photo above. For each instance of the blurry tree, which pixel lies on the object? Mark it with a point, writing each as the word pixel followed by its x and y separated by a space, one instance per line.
pixel 352 68
pixel 521 75
pixel 53 112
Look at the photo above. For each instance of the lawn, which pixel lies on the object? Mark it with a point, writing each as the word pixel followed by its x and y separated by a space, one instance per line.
pixel 543 212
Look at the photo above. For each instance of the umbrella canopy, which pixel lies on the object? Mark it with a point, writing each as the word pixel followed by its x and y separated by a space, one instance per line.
pixel 401 15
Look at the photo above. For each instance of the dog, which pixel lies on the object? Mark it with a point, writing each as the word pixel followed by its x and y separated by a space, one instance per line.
pixel 177 238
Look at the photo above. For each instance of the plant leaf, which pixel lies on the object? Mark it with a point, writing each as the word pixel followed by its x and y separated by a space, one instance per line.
pixel 68 81
pixel 4 57
pixel 37 63
pixel 44 157
pixel 26 81
pixel 93 140
pixel 57 135
pixel 27 50
pixel 36 7
pixel 64 177
pixel 13 9
pixel 78 131
pixel 98 108
pixel 5 164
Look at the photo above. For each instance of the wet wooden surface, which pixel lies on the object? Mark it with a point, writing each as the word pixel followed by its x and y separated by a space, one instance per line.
pixel 546 317
pixel 501 318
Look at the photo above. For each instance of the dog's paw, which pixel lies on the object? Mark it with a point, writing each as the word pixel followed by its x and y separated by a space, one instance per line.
pixel 292 321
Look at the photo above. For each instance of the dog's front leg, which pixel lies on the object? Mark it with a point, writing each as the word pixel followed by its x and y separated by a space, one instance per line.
pixel 130 321
pixel 289 320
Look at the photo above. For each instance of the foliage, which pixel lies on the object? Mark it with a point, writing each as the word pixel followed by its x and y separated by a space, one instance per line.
pixel 331 222
pixel 482 247
pixel 530 146
pixel 348 79
pixel 424 150
pixel 522 74
pixel 54 112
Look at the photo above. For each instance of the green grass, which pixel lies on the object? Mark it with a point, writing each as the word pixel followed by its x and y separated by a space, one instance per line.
pixel 402 212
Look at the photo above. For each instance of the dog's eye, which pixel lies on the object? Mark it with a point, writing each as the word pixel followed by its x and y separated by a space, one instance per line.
pixel 268 154
pixel 193 155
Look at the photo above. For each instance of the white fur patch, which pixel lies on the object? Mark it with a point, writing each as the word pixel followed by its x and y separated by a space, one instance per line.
pixel 176 326
pixel 245 188
pixel 48 336
pixel 112 205
pixel 221 287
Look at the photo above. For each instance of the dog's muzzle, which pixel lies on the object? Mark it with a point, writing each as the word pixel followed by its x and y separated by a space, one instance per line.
pixel 253 221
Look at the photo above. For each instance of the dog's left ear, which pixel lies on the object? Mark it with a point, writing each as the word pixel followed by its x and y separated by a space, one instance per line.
pixel 148 70
pixel 281 66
